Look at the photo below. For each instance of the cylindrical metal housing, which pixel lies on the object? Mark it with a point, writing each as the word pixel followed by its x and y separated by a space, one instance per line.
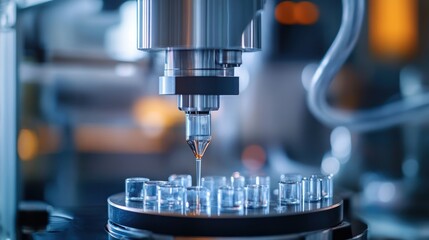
pixel 199 24
pixel 199 63
pixel 203 41
pixel 200 72
pixel 198 103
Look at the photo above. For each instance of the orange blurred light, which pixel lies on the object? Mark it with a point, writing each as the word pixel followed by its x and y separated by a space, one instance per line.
pixel 28 144
pixel 288 13
pixel 115 139
pixel 393 28
pixel 253 157
pixel 155 115
pixel 284 13
pixel 306 13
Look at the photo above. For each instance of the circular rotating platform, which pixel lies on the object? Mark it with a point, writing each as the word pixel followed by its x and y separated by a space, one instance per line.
pixel 273 220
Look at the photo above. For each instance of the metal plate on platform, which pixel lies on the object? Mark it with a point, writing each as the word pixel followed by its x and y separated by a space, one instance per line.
pixel 272 220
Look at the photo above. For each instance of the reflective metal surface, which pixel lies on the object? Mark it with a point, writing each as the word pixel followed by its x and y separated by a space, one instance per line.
pixel 8 120
pixel 197 24
pixel 201 38
pixel 270 221
pixel 198 63
pixel 207 62
pixel 198 103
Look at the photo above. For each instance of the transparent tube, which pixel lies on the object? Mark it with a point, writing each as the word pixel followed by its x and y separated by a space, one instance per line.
pixel 198 137
pixel 362 120
pixel 198 132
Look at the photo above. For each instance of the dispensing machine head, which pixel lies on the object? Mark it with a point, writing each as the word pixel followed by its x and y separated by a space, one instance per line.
pixel 203 41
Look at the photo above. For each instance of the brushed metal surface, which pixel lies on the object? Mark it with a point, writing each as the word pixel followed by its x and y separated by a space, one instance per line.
pixel 199 24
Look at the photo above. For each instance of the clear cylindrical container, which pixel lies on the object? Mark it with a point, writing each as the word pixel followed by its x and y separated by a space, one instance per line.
pixel 150 192
pixel 290 189
pixel 230 198
pixel 213 183
pixel 184 180
pixel 239 197
pixel 258 180
pixel 312 189
pixel 197 200
pixel 327 186
pixel 134 188
pixel 256 196
pixel 171 196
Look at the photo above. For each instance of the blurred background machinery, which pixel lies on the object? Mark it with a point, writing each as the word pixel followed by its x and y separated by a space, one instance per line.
pixel 90 114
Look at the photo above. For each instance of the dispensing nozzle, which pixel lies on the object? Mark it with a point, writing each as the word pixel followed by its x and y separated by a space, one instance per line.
pixel 198 132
